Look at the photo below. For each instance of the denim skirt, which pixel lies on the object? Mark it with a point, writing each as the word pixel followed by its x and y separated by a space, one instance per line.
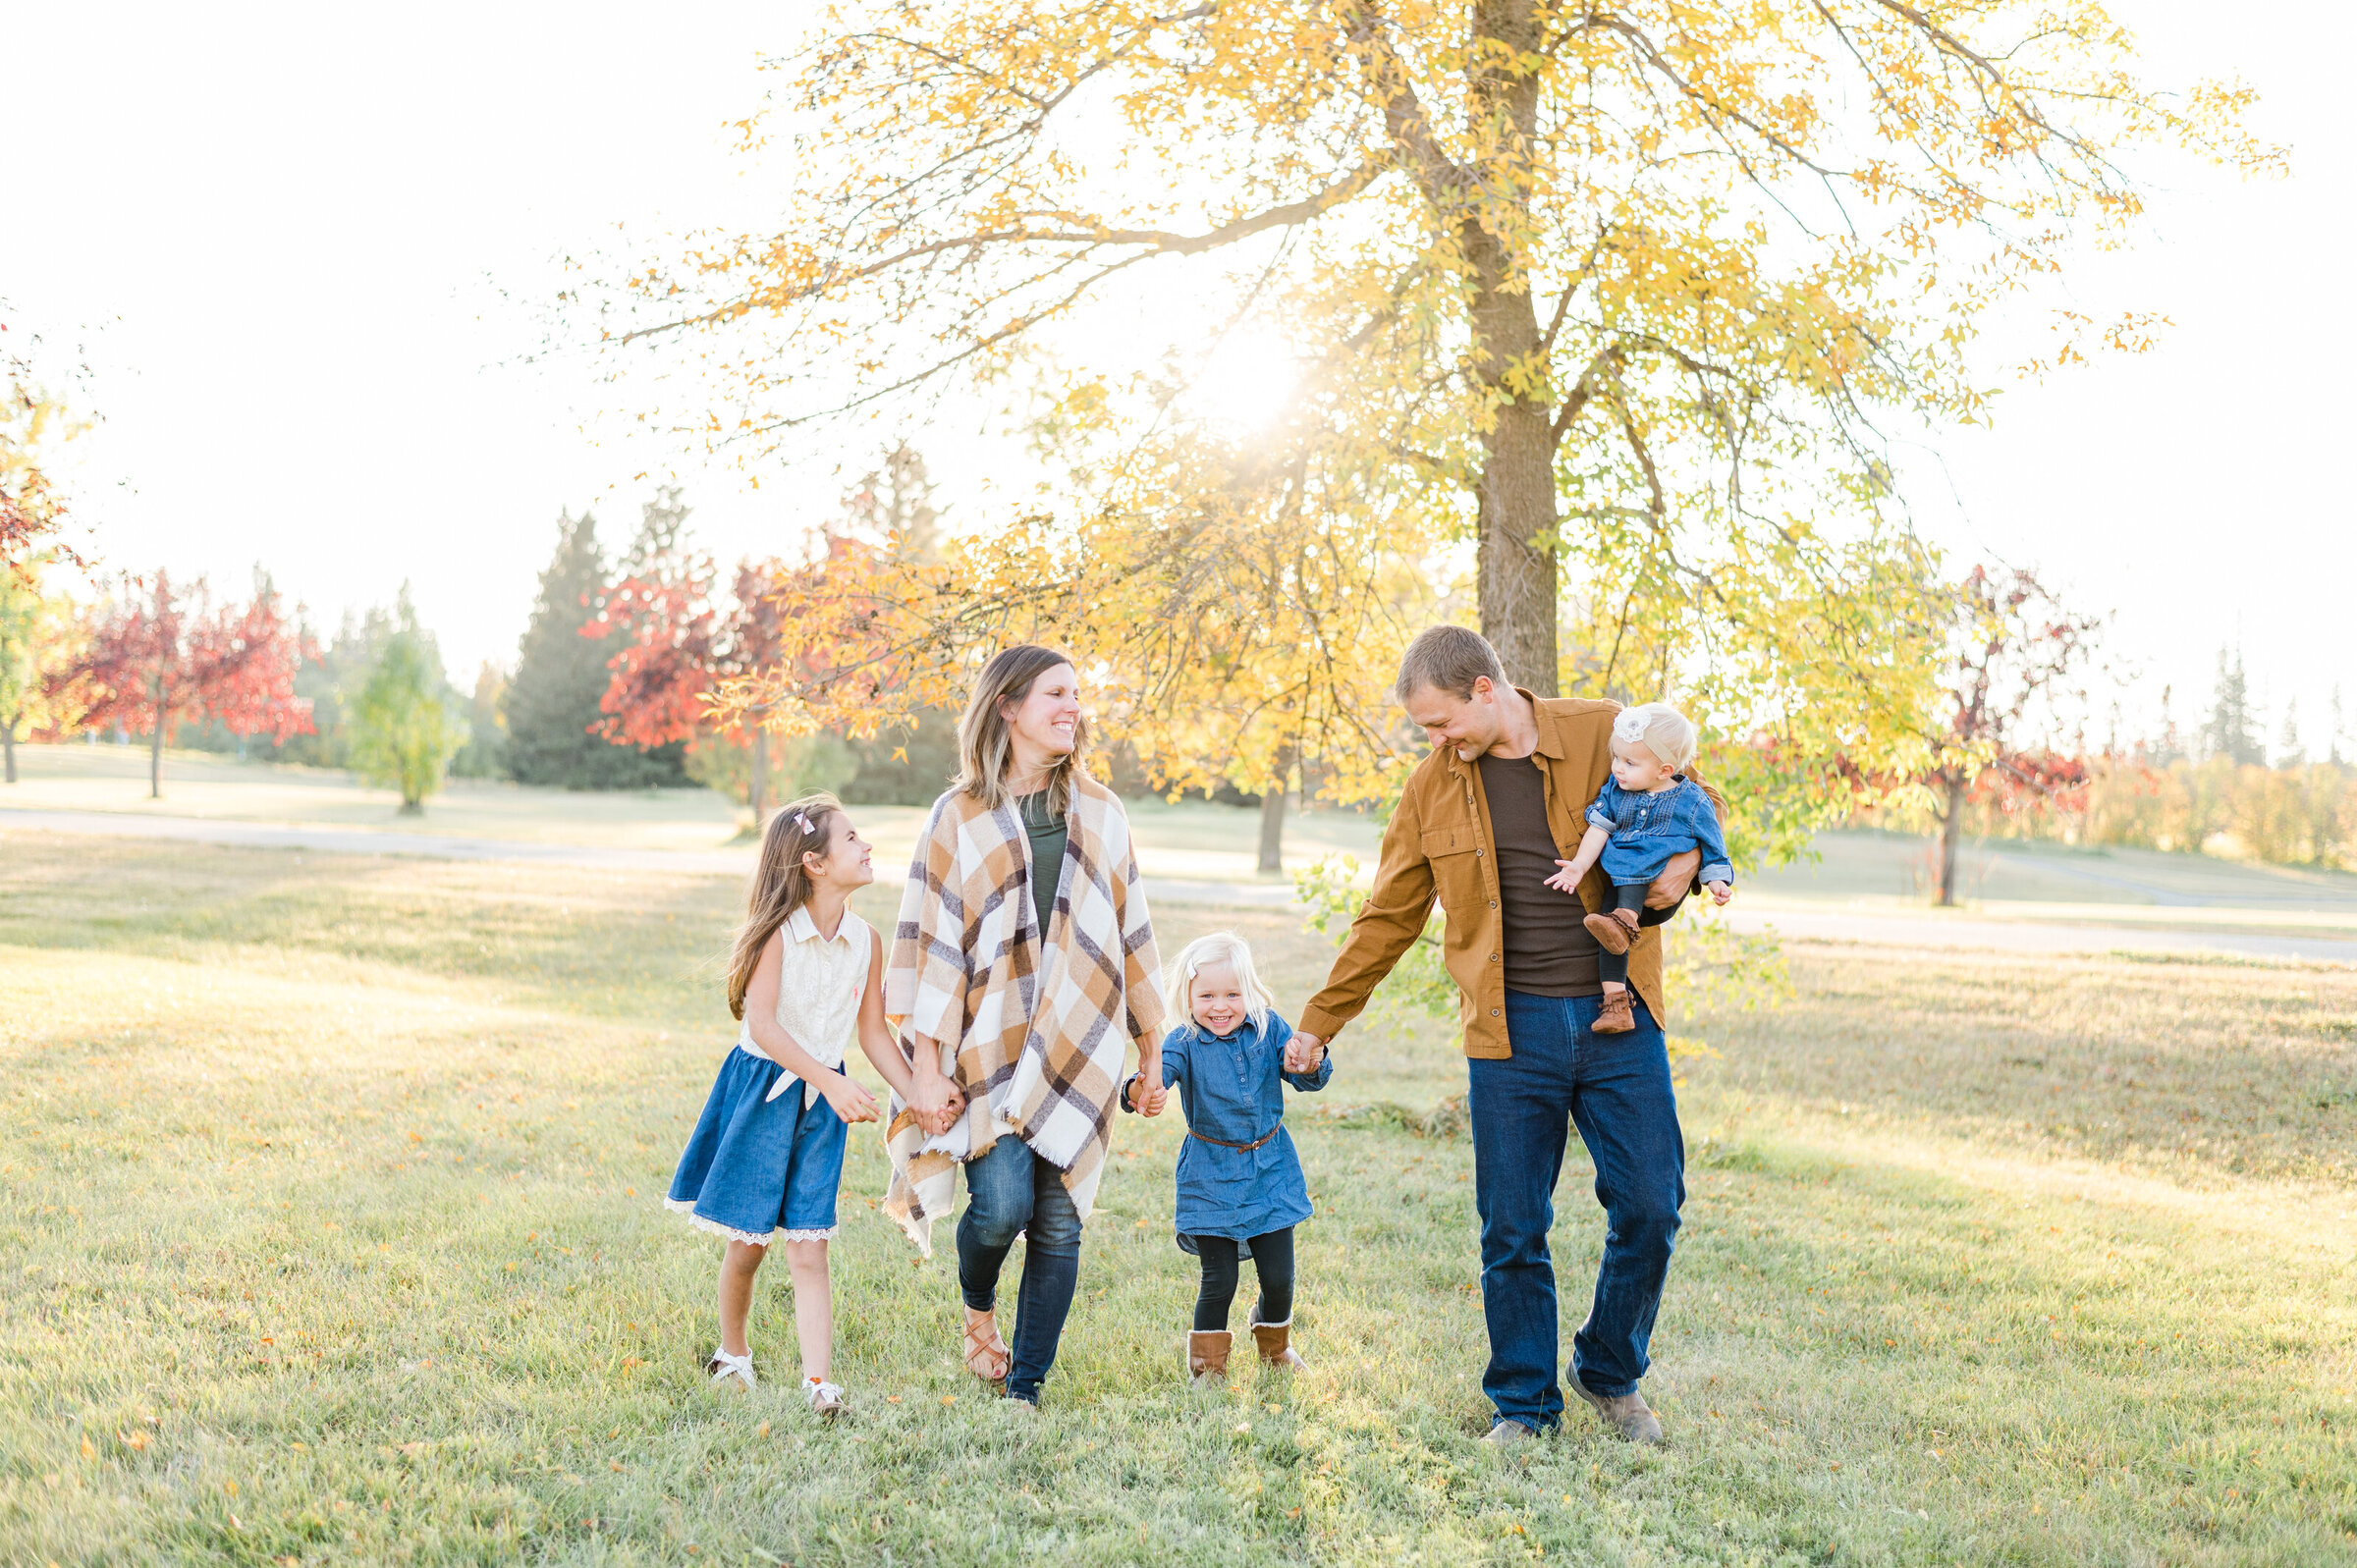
pixel 757 1169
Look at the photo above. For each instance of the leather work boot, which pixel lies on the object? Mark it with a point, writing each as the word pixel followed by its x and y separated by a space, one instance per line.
pixel 1275 1340
pixel 1207 1356
pixel 1507 1433
pixel 1615 1018
pixel 1614 929
pixel 1628 1415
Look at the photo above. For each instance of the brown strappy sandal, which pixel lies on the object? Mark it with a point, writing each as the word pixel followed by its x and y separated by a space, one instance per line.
pixel 986 1354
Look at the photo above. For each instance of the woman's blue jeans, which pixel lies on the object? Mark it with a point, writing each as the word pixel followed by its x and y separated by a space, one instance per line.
pixel 1012 1192
pixel 1615 1089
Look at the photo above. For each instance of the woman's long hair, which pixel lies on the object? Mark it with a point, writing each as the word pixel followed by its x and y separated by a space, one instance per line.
pixel 986 741
pixel 781 882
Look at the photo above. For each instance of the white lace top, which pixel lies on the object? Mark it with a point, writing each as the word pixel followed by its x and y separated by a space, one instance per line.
pixel 819 986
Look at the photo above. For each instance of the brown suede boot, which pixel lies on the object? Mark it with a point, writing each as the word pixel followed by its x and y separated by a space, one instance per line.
pixel 1275 1340
pixel 1207 1355
pixel 1615 1018
pixel 1614 929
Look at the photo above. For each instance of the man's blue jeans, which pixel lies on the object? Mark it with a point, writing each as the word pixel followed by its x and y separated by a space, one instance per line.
pixel 1010 1191
pixel 1615 1088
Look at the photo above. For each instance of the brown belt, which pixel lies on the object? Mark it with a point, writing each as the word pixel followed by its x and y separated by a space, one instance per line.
pixel 1246 1147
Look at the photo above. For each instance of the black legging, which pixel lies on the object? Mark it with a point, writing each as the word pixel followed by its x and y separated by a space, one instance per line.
pixel 1614 966
pixel 1272 1260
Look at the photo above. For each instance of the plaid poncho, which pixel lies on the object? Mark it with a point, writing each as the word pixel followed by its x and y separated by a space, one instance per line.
pixel 1040 1032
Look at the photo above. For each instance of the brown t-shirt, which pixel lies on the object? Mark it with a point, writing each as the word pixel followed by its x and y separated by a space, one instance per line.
pixel 1547 951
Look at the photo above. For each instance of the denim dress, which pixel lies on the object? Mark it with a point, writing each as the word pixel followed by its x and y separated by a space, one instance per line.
pixel 1647 828
pixel 1231 1088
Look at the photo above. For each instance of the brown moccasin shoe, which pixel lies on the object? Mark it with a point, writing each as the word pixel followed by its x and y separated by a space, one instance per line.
pixel 1612 931
pixel 1615 1018
pixel 1629 1417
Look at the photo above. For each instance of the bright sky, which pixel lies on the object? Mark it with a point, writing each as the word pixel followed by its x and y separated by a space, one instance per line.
pixel 307 252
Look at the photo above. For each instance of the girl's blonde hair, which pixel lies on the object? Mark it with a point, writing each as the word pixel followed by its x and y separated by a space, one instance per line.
pixel 781 882
pixel 1220 947
pixel 1661 729
pixel 985 743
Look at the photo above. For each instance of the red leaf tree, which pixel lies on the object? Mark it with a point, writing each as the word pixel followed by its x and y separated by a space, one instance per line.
pixel 2018 649
pixel 678 642
pixel 157 658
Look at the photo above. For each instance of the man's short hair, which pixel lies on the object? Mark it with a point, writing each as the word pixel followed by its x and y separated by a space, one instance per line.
pixel 1447 658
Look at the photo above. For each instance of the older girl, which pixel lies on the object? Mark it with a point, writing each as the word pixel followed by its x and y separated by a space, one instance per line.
pixel 1240 1188
pixel 765 1160
pixel 1023 972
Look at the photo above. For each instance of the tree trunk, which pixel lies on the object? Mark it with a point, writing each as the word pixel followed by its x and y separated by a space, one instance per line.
pixel 155 748
pixel 1952 828
pixel 8 744
pixel 1515 560
pixel 758 793
pixel 1271 815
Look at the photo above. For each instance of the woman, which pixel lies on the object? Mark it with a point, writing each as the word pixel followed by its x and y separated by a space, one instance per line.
pixel 1018 1026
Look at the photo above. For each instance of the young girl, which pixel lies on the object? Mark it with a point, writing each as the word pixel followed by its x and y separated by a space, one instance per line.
pixel 764 1161
pixel 1648 811
pixel 1241 1189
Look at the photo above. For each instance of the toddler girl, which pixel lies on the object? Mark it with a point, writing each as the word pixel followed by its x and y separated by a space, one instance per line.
pixel 764 1161
pixel 1648 811
pixel 1241 1190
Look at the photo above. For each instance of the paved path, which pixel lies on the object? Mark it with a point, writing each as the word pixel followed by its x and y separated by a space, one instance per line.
pixel 1960 933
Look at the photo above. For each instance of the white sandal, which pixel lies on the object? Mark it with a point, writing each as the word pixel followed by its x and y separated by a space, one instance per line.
pixel 723 1367
pixel 826 1398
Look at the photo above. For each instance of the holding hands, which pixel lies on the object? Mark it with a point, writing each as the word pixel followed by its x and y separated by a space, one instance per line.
pixel 935 1100
pixel 850 1102
pixel 1303 1053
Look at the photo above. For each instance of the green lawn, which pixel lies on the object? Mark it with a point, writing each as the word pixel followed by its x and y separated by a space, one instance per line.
pixel 331 1235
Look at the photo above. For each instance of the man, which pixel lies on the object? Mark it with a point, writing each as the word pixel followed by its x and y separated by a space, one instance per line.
pixel 1480 824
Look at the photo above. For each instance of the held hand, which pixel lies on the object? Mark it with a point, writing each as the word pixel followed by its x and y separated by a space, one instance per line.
pixel 946 1118
pixel 1150 1102
pixel 1721 892
pixel 850 1102
pixel 1303 1053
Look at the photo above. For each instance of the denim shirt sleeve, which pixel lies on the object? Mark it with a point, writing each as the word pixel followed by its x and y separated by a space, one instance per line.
pixel 1605 810
pixel 1174 1065
pixel 1716 865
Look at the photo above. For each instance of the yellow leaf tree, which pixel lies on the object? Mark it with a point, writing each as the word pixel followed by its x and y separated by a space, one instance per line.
pixel 1622 293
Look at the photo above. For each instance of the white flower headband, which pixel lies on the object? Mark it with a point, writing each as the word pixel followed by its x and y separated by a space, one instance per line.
pixel 1629 725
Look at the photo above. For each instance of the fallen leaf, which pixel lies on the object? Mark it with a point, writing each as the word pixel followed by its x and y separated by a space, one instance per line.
pixel 761 1430
pixel 949 1399
pixel 892 1399
pixel 133 1440
pixel 627 1361
pixel 412 1449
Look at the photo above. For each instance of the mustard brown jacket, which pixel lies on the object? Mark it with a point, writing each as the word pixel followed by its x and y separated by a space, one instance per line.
pixel 1439 845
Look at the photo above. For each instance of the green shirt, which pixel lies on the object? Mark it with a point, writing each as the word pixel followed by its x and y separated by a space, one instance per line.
pixel 1047 832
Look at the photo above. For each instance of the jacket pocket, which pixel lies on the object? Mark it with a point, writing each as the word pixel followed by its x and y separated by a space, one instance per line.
pixel 1456 869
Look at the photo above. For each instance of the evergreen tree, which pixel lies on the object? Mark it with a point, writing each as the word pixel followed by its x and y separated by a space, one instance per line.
pixel 485 754
pixel 2289 752
pixel 552 704
pixel 2233 728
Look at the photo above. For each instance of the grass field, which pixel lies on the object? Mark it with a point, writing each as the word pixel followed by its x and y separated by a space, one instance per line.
pixel 1195 839
pixel 331 1236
